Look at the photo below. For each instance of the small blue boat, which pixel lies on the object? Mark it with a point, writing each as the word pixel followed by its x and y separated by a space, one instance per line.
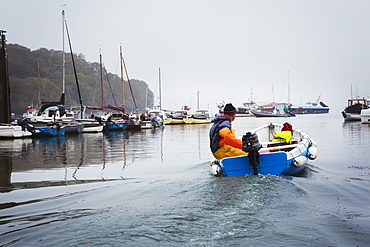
pixel 49 130
pixel 273 158
pixel 115 126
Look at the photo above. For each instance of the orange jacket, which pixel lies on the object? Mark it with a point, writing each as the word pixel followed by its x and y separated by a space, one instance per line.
pixel 228 138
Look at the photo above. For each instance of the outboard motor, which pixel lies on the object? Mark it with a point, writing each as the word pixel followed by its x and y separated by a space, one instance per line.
pixel 251 145
pixel 23 122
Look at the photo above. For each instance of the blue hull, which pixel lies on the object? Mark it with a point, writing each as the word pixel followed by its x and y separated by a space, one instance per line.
pixel 273 163
pixel 49 131
pixel 115 127
pixel 275 158
pixel 270 164
pixel 309 110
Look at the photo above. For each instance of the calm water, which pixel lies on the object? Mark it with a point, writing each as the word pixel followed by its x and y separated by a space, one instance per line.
pixel 154 188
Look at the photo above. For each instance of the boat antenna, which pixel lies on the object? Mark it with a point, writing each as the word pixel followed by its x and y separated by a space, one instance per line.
pixel 74 69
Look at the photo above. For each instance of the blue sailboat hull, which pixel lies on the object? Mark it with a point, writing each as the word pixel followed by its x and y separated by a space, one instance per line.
pixel 49 131
pixel 115 127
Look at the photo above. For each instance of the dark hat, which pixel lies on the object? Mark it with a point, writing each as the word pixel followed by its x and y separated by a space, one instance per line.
pixel 287 126
pixel 229 109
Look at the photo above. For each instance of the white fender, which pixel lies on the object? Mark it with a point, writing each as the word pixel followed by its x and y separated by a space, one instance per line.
pixel 312 153
pixel 299 161
pixel 216 170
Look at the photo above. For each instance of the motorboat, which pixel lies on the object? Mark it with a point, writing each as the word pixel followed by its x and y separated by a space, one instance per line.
pixel 200 116
pixel 353 110
pixel 266 156
pixel 311 107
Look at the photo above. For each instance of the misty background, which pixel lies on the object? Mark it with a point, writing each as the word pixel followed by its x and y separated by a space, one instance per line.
pixel 233 51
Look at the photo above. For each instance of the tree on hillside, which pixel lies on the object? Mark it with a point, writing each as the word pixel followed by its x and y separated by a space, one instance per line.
pixel 23 78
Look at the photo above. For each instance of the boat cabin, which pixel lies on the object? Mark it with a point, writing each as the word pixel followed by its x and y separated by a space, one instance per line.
pixel 364 102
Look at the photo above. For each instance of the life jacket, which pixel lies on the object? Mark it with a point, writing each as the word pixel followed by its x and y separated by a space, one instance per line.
pixel 286 133
pixel 220 123
pixel 284 136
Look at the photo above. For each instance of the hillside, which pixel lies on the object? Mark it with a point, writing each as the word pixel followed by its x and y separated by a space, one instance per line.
pixel 25 78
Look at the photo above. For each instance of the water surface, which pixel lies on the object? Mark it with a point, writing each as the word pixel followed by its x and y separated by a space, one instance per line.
pixel 154 188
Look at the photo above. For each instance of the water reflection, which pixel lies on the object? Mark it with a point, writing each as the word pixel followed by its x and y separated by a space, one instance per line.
pixel 5 172
pixel 82 158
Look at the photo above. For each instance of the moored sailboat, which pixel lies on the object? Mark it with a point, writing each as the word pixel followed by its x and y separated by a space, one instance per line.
pixel 52 118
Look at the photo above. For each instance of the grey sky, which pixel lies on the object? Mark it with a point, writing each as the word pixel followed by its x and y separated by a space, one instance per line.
pixel 224 49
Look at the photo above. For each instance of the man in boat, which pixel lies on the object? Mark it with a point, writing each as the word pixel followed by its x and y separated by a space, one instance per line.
pixel 223 141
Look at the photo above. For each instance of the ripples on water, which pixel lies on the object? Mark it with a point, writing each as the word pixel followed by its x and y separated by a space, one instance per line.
pixel 153 188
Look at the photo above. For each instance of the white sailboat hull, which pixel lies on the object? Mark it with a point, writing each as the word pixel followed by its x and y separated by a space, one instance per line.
pixel 13 131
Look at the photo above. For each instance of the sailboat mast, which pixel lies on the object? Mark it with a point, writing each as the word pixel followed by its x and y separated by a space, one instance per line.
pixel 160 90
pixel 64 55
pixel 101 80
pixel 123 83
pixel 38 84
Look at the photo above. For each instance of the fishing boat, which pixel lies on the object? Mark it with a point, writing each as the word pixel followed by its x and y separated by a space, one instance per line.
pixel 243 111
pixel 311 107
pixel 353 110
pixel 266 156
pixel 271 114
pixel 200 116
pixel 279 110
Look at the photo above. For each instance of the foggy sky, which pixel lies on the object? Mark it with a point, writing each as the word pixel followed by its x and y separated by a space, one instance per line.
pixel 231 51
